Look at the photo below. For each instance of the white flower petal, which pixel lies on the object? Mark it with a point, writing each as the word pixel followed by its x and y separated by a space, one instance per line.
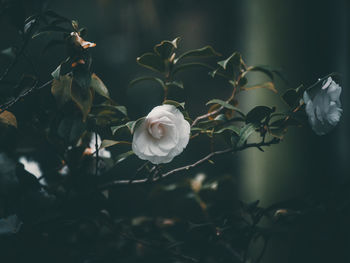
pixel 163 135
pixel 323 109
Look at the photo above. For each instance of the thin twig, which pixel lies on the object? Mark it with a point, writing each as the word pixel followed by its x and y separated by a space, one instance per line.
pixel 190 166
pixel 10 103
pixel 97 153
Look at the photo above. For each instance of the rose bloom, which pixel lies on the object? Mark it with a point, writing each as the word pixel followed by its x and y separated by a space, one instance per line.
pixel 324 108
pixel 162 135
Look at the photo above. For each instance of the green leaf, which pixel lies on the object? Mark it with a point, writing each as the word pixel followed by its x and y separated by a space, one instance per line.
pixel 52 43
pixel 10 225
pixel 121 157
pixel 177 84
pixel 82 76
pixel 131 125
pixel 262 69
pixel 244 133
pixel 57 72
pixel 10 52
pixel 257 114
pixel 166 48
pixel 190 66
pixel 290 97
pixel 109 143
pixel 233 60
pixel 204 125
pixel 82 97
pixel 138 80
pixel 152 61
pixel 229 127
pixel 203 52
pixel 61 89
pixel 70 129
pixel 175 103
pixel 226 105
pixel 99 86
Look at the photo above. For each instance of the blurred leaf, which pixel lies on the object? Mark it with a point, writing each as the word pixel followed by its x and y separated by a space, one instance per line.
pixel 109 143
pixel 53 14
pixel 10 225
pixel 99 86
pixel 70 129
pixel 244 133
pixel 8 179
pixel 75 25
pixel 225 105
pixel 9 52
pixel 257 114
pixel 175 103
pixel 52 43
pixel 203 52
pixel 267 85
pixel 8 119
pixel 61 88
pixel 151 61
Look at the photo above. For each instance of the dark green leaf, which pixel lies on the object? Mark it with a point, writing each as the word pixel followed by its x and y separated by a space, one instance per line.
pixel 82 97
pixel 177 84
pixel 226 105
pixel 61 89
pixel 109 143
pixel 244 133
pixel 175 103
pixel 50 29
pixel 206 51
pixel 257 114
pixel 190 66
pixel 152 61
pixel 99 86
pixel 290 96
pixel 10 225
pixel 166 48
pixel 137 80
pixel 229 127
pixel 121 157
pixel 233 61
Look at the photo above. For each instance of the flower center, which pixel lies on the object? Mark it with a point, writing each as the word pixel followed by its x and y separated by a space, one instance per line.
pixel 156 130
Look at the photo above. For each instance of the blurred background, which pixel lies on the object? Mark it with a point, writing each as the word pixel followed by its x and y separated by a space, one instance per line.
pixel 306 39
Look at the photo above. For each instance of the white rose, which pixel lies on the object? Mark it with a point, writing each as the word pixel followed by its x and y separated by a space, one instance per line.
pixel 162 135
pixel 323 109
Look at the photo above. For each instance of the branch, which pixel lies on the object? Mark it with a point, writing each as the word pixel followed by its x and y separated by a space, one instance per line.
pixel 190 166
pixel 11 102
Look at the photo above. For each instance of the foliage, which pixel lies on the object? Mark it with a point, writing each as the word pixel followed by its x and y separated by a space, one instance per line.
pixel 83 209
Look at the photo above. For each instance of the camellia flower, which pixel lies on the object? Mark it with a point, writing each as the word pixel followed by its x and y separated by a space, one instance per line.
pixel 162 135
pixel 324 109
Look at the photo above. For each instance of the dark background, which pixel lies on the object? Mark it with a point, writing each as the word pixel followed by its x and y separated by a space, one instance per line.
pixel 306 39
